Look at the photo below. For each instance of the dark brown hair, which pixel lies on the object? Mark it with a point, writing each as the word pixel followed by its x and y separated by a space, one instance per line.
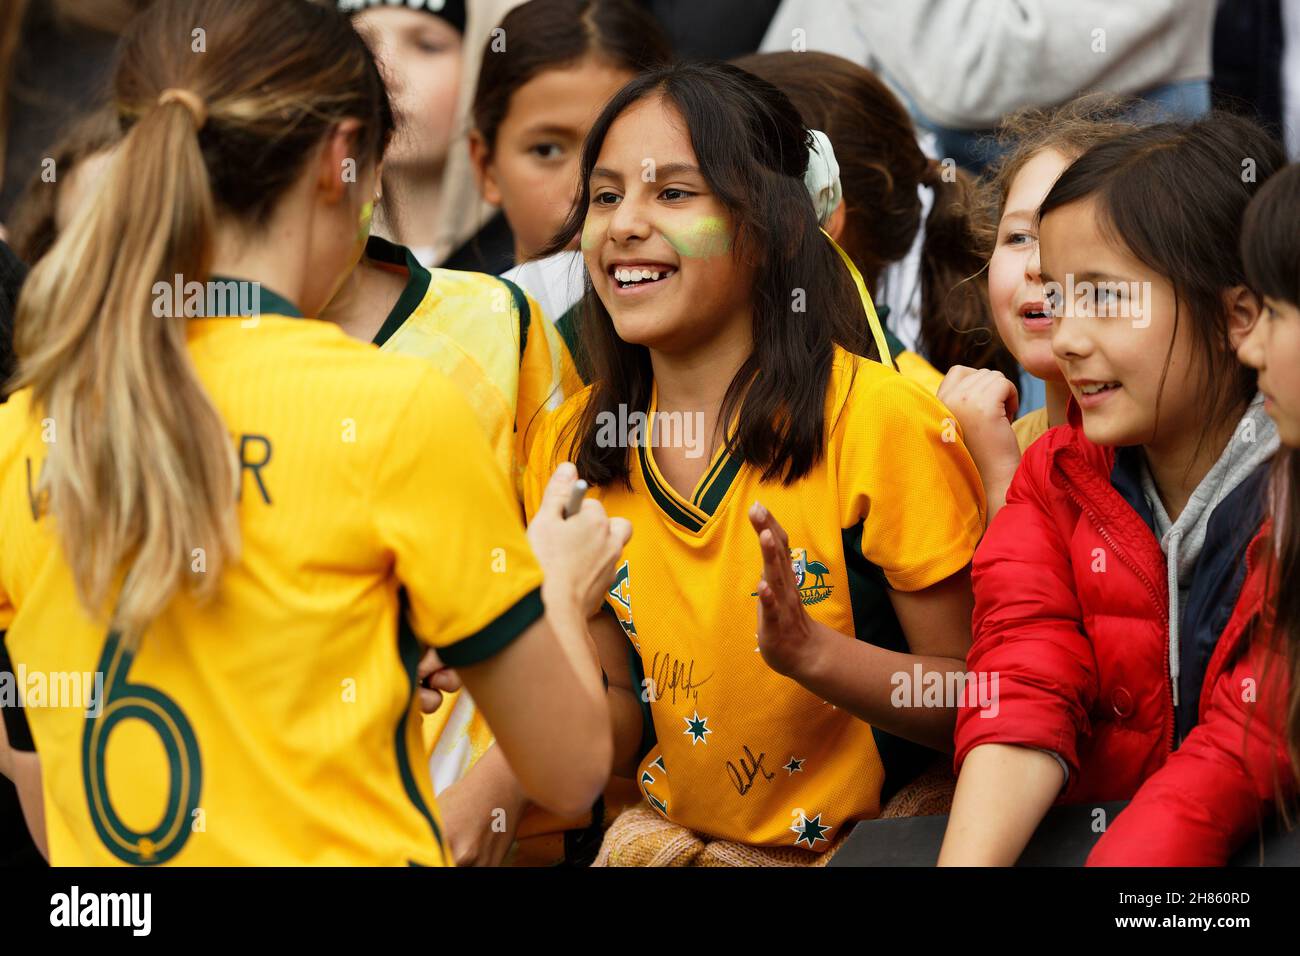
pixel 34 225
pixel 1071 130
pixel 881 167
pixel 752 148
pixel 1174 195
pixel 1270 246
pixel 550 34
pixel 11 33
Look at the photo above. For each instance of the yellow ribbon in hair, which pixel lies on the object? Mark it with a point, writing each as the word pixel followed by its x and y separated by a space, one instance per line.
pixel 877 330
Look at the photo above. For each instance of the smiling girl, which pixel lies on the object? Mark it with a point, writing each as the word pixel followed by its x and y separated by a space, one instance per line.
pixel 1040 145
pixel 826 501
pixel 535 99
pixel 1244 756
pixel 1102 586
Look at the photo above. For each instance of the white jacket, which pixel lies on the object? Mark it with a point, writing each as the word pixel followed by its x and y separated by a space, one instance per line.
pixel 966 63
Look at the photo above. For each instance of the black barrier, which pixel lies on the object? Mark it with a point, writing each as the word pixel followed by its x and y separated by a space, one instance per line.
pixel 1064 838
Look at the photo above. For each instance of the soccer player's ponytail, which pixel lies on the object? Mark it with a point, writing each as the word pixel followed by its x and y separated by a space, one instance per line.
pixel 221 103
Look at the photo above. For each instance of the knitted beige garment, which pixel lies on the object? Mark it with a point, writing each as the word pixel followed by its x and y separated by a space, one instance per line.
pixel 640 836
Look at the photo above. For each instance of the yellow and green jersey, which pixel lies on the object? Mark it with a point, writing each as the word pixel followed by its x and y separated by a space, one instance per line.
pixel 275 724
pixel 740 752
pixel 492 341
pixel 489 337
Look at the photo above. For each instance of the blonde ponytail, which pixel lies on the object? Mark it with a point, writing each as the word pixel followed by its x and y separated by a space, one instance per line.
pixel 141 471
pixel 141 474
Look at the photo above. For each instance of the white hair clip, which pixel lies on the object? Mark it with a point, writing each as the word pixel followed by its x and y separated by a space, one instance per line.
pixel 823 177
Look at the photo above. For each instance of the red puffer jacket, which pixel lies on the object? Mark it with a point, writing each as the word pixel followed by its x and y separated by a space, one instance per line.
pixel 1071 615
pixel 1224 780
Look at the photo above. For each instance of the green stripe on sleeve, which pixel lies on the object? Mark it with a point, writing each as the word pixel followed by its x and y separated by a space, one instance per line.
pixel 498 635
pixel 525 314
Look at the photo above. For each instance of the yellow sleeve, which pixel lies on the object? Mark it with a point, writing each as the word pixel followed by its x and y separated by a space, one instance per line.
pixel 546 378
pixel 904 472
pixel 551 447
pixel 920 371
pixel 450 519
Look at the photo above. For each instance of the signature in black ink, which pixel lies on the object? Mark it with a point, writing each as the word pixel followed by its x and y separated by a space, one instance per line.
pixel 743 777
pixel 673 675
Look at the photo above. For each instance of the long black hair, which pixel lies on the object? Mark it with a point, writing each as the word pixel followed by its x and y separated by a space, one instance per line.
pixel 752 148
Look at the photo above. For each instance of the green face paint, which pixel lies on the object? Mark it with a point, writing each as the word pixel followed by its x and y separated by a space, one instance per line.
pixel 590 237
pixel 708 236
pixel 363 222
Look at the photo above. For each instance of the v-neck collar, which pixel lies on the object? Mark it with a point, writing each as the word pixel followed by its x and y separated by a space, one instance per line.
pixel 709 492
pixel 417 283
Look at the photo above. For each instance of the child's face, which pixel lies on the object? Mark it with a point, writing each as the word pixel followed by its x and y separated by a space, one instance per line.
pixel 420 56
pixel 1113 326
pixel 671 225
pixel 1273 348
pixel 1015 286
pixel 532 173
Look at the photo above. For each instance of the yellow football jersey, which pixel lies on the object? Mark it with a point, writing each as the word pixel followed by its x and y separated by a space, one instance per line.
pixel 276 724
pixel 742 753
pixel 492 341
pixel 490 338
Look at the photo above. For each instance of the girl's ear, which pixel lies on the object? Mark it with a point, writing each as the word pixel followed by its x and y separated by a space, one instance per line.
pixel 835 224
pixel 338 165
pixel 480 158
pixel 1243 308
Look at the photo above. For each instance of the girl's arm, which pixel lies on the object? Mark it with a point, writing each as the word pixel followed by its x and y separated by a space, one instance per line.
pixel 854 675
pixel 543 694
pixel 23 769
pixel 468 806
pixel 469 811
pixel 981 831
pixel 625 708
pixel 1030 651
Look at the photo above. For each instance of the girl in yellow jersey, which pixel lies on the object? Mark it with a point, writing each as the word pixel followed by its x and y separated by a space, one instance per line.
pixel 805 515
pixel 234 524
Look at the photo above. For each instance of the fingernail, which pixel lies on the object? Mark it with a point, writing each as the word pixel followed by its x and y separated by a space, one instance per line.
pixel 567 469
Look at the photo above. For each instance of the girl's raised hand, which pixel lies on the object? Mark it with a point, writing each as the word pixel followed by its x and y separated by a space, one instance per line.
pixel 578 555
pixel 985 402
pixel 785 631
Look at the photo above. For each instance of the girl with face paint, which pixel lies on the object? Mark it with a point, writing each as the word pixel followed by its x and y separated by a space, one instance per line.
pixel 740 418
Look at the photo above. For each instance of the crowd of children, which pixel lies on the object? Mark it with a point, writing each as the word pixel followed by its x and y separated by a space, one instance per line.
pixel 646 541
